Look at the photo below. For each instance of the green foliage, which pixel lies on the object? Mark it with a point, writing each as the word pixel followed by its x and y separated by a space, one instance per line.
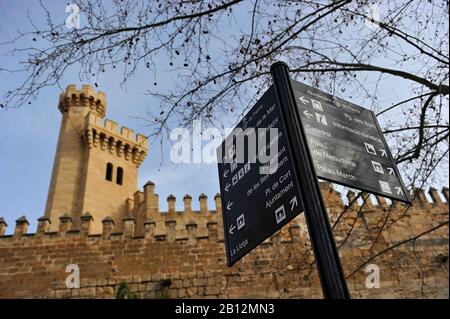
pixel 124 292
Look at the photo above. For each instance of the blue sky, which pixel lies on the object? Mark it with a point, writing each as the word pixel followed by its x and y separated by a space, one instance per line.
pixel 29 133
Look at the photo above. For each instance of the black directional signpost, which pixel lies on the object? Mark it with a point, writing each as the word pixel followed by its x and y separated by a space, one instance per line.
pixel 347 144
pixel 255 205
pixel 319 136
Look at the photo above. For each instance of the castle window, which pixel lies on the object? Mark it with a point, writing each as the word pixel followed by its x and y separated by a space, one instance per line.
pixel 119 178
pixel 109 172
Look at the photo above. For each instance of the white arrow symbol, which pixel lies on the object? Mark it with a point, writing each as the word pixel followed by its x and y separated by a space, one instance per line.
pixel 225 173
pixel 304 101
pixel 308 115
pixel 227 187
pixel 391 171
pixel 293 202
pixel 399 190
pixel 383 152
pixel 232 228
pixel 229 205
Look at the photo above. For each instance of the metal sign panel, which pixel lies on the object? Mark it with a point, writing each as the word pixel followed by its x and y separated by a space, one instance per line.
pixel 254 204
pixel 347 144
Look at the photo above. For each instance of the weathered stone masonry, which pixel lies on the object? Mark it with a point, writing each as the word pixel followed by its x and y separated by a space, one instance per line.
pixel 181 254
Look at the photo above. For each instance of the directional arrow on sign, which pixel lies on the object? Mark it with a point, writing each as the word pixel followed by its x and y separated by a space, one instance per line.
pixel 232 228
pixel 227 187
pixel 303 100
pixel 293 202
pixel 229 204
pixel 399 190
pixel 309 115
pixel 383 152
pixel 226 172
pixel 391 171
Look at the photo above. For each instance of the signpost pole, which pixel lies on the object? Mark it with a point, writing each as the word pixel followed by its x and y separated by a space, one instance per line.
pixel 328 262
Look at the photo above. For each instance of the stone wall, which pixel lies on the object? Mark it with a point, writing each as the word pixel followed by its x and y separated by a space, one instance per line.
pixel 181 256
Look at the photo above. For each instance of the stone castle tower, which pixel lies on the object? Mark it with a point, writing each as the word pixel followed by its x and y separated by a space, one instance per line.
pixel 95 166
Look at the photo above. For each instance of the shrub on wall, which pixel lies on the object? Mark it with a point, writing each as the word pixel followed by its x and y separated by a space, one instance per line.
pixel 124 292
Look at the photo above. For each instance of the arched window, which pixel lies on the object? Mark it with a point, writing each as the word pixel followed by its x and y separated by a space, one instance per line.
pixel 119 178
pixel 109 172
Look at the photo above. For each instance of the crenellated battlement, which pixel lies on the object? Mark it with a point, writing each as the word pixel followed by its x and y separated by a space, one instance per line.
pixel 168 230
pixel 86 97
pixel 105 134
pixel 144 219
pixel 165 230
